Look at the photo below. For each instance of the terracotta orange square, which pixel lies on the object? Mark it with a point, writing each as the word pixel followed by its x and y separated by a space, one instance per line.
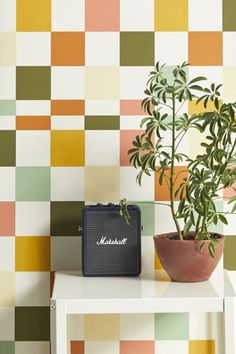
pixel 7 218
pixel 77 347
pixel 205 48
pixel 126 139
pixel 162 191
pixel 102 15
pixel 67 107
pixel 67 48
pixel 137 347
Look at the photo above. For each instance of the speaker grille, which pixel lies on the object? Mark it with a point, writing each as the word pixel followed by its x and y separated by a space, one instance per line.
pixel 102 225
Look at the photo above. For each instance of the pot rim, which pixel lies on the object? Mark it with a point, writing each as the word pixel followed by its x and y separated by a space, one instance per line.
pixel 165 237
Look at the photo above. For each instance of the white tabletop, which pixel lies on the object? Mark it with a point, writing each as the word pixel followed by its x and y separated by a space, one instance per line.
pixel 150 292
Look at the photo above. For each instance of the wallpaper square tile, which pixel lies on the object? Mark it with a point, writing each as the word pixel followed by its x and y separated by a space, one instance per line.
pixel 67 123
pixel 66 253
pixel 7 220
pixel 7 123
pixel 67 107
pixel 138 347
pixel 35 347
pixel 106 45
pixel 75 327
pixel 33 107
pixel 137 48
pixel 7 289
pixel 33 123
pixel 126 139
pixel 7 183
pixel 72 188
pixel 67 82
pixel 67 48
pixel 8 48
pixel 7 318
pixel 199 19
pixel 32 218
pixel 147 218
pixel 77 347
pixel 136 16
pixel 67 148
pixel 32 148
pixel 170 54
pixel 104 327
pixel 102 347
pixel 7 148
pixel 7 83
pixel 7 107
pixel 229 48
pixel 7 254
pixel 109 15
pixel 97 153
pixel 7 15
pixel 229 8
pixel 229 252
pixel 32 254
pixel 130 122
pixel 32 184
pixel 177 347
pixel 102 123
pixel 229 76
pixel 32 323
pixel 202 346
pixel 33 82
pixel 102 82
pixel 33 17
pixel 171 16
pixel 33 48
pixel 171 326
pixel 137 326
pixel 205 48
pixel 7 347
pixel 68 18
pixel 102 107
pixel 129 75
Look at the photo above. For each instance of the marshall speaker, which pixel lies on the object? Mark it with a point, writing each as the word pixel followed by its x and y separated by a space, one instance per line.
pixel 111 247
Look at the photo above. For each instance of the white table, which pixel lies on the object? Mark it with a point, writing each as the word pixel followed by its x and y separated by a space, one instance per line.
pixel 149 293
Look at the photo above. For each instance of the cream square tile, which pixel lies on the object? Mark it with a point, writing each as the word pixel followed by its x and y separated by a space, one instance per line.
pixel 173 53
pixel 7 15
pixel 28 108
pixel 32 218
pixel 105 327
pixel 163 219
pixel 102 107
pixel 229 48
pixel 68 18
pixel 106 46
pixel 102 347
pixel 7 317
pixel 147 254
pixel 32 347
pixel 7 123
pixel 7 183
pixel 8 48
pixel 7 289
pixel 137 326
pixel 133 81
pixel 173 347
pixel 67 122
pixel 205 15
pixel 229 78
pixel 204 331
pixel 7 254
pixel 72 188
pixel 32 288
pixel 136 15
pixel 7 83
pixel 102 83
pixel 102 148
pixel 67 82
pixel 130 122
pixel 75 327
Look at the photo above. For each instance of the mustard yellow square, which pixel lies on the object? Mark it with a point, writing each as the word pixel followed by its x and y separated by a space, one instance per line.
pixel 101 327
pixel 33 16
pixel 7 289
pixel 171 15
pixel 201 347
pixel 194 108
pixel 8 48
pixel 67 148
pixel 32 254
pixel 157 263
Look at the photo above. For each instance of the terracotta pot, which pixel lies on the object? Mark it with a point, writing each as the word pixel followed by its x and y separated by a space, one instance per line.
pixel 183 261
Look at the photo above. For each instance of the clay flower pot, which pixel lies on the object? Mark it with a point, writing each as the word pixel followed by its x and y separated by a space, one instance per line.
pixel 183 261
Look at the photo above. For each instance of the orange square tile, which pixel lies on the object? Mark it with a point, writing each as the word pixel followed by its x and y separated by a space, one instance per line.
pixel 137 347
pixel 205 48
pixel 33 123
pixel 131 108
pixel 102 15
pixel 67 107
pixel 32 254
pixel 162 191
pixel 77 347
pixel 67 48
pixel 7 218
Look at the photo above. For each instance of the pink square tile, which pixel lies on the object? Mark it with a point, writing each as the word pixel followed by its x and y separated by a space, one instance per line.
pixel 131 108
pixel 102 15
pixel 229 192
pixel 126 139
pixel 7 218
pixel 137 347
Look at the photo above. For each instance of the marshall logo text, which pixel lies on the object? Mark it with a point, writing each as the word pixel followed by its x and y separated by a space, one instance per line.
pixel 108 241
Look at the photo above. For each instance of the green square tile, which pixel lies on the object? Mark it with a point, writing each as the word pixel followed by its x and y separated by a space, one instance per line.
pixel 32 324
pixel 168 73
pixel 7 347
pixel 137 48
pixel 66 217
pixel 147 218
pixel 229 252
pixel 171 326
pixel 33 83
pixel 7 148
pixel 7 107
pixel 33 183
pixel 229 10
pixel 102 122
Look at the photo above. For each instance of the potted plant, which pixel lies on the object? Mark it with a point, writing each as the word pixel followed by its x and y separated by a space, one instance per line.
pixel 189 253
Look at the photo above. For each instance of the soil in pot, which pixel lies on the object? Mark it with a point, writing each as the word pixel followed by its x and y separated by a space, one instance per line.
pixel 185 261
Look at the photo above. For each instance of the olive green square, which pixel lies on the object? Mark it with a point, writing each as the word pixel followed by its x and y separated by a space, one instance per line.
pixel 66 218
pixel 7 148
pixel 7 347
pixel 137 48
pixel 102 122
pixel 171 326
pixel 229 252
pixel 229 10
pixel 7 107
pixel 147 218
pixel 32 323
pixel 33 184
pixel 33 83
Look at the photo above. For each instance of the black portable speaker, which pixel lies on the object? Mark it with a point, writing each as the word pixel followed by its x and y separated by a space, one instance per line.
pixel 110 246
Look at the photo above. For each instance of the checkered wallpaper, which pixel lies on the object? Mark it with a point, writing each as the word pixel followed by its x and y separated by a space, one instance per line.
pixel 72 76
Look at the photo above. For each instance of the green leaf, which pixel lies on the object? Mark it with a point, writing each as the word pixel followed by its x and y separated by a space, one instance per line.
pixel 199 78
pixel 211 249
pixel 187 227
pixel 223 219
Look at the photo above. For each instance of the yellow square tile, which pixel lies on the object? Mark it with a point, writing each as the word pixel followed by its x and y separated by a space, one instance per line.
pixel 194 108
pixel 32 254
pixel 102 184
pixel 101 327
pixel 201 347
pixel 7 289
pixel 8 48
pixel 171 15
pixel 67 148
pixel 33 16
pixel 102 83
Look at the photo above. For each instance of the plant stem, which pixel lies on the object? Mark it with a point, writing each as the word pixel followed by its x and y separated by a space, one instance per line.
pixel 172 171
pixel 197 224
